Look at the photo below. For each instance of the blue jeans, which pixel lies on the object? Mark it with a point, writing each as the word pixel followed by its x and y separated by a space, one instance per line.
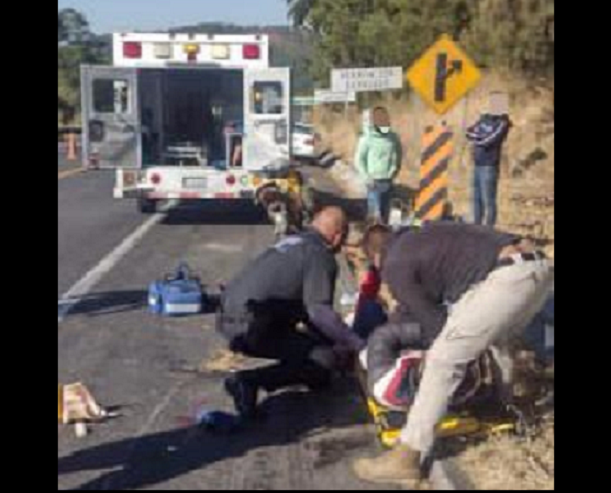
pixel 485 191
pixel 378 200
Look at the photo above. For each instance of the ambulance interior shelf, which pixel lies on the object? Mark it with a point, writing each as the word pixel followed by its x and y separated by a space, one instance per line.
pixel 189 154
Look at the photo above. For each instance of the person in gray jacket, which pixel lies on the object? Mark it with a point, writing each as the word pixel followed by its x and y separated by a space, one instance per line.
pixel 462 290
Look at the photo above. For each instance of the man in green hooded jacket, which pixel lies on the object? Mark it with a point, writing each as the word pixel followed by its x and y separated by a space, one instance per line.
pixel 378 161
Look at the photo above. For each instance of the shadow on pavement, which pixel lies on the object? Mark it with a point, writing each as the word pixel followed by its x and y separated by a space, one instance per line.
pixel 148 461
pixel 217 213
pixel 100 304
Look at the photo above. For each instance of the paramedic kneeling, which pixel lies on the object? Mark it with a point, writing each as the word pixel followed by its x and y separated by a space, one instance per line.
pixel 281 308
pixel 469 288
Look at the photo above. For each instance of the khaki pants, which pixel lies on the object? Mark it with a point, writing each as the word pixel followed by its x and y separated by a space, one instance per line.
pixel 487 316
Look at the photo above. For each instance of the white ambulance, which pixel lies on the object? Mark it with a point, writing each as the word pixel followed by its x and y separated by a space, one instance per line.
pixel 189 117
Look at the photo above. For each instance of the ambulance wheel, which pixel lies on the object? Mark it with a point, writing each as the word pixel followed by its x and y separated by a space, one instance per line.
pixel 146 206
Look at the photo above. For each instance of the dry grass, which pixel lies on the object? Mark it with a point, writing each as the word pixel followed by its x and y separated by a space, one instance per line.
pixel 526 204
pixel 526 199
pixel 512 464
pixel 503 462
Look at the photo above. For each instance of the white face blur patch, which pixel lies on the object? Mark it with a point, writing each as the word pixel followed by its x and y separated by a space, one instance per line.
pixel 385 130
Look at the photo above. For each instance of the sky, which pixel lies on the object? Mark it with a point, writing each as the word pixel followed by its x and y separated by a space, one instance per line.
pixel 123 15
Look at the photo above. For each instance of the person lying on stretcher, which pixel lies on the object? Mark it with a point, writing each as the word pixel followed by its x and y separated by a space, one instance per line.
pixel 462 291
pixel 395 354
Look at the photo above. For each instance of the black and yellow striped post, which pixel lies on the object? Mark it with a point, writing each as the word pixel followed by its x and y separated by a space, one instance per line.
pixel 438 150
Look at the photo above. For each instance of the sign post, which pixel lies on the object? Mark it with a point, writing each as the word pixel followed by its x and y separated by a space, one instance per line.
pixel 324 96
pixel 442 77
pixel 330 97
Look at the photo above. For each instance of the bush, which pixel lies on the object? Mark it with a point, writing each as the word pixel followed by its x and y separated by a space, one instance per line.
pixel 513 34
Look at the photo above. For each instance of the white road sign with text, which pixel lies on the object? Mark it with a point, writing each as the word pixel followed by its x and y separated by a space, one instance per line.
pixel 367 79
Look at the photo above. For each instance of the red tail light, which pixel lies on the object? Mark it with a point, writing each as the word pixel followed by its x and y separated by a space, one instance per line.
pixel 156 179
pixel 231 180
pixel 132 50
pixel 251 52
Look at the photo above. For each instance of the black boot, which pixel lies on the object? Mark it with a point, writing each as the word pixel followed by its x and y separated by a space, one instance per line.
pixel 245 395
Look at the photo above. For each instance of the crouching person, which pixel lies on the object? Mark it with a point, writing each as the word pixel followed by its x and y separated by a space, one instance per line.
pixel 281 308
pixel 463 289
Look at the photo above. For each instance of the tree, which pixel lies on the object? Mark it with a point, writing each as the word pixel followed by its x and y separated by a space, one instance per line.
pixel 72 27
pixel 517 34
pixel 76 46
pixel 359 33
pixel 299 10
pixel 514 34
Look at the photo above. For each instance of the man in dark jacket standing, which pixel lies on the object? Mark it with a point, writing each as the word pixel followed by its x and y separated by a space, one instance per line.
pixel 488 136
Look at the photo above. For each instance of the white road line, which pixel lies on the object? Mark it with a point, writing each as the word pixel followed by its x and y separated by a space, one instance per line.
pixel 94 276
pixel 62 175
pixel 223 248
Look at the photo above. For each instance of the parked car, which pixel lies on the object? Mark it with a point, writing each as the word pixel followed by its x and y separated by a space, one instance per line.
pixel 306 143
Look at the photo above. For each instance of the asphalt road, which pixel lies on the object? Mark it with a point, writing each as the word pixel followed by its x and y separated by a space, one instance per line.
pixel 62 161
pixel 155 371
pixel 89 224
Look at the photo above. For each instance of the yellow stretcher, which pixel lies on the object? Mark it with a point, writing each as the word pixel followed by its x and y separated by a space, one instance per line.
pixel 389 422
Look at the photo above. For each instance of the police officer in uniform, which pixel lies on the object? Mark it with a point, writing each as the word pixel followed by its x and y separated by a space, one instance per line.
pixel 281 308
